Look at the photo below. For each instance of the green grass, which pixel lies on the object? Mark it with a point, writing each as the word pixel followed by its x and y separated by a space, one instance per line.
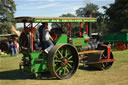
pixel 116 75
pixel 8 62
pixel 8 56
pixel 121 58
pixel 3 56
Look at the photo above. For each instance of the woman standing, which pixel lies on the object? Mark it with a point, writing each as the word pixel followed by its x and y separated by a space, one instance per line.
pixel 15 48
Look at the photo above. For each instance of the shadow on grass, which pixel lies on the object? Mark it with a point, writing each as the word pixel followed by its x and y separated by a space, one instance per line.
pixel 18 75
pixel 14 75
pixel 81 67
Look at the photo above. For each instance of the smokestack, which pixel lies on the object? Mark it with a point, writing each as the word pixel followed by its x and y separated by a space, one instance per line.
pixel 89 27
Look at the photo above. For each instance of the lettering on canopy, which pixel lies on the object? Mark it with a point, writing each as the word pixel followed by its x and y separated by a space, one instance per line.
pixel 64 20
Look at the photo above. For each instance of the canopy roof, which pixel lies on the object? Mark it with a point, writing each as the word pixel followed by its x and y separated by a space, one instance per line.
pixel 9 35
pixel 54 19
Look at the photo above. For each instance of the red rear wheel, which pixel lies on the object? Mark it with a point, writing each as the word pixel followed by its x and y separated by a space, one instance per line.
pixel 120 46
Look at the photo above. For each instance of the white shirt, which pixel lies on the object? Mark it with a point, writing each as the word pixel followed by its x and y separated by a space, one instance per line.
pixel 46 35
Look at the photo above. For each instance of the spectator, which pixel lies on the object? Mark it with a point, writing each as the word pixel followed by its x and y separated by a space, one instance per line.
pixel 11 48
pixel 0 51
pixel 15 48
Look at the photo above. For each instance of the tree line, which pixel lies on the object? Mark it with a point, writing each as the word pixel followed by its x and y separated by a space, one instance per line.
pixel 113 20
pixel 7 10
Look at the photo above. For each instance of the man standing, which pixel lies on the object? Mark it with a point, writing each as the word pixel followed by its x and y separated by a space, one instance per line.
pixel 11 47
pixel 46 38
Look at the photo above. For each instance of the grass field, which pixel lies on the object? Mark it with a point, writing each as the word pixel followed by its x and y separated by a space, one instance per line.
pixel 117 75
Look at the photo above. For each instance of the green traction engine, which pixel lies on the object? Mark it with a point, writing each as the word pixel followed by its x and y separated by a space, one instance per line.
pixel 69 49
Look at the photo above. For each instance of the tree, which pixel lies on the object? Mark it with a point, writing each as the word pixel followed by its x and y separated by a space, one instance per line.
pixel 118 16
pixel 58 25
pixel 67 15
pixel 7 9
pixel 75 26
pixel 91 10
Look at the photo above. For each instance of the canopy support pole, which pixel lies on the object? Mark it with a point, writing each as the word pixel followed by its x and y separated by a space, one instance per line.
pixel 86 28
pixel 31 36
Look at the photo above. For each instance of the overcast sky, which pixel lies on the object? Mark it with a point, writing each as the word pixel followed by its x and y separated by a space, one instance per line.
pixel 53 8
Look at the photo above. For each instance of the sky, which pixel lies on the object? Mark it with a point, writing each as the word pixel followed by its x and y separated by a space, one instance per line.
pixel 53 8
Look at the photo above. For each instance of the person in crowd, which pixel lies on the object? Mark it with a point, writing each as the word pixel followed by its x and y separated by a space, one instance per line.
pixel 15 48
pixel 11 48
pixel 0 51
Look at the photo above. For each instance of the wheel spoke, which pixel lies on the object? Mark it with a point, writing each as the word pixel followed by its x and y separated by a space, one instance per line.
pixel 56 56
pixel 60 72
pixel 104 57
pixel 66 52
pixel 58 69
pixel 64 71
pixel 55 64
pixel 67 69
pixel 58 61
pixel 69 65
pixel 60 54
pixel 62 50
pixel 70 61
pixel 69 57
pixel 104 65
